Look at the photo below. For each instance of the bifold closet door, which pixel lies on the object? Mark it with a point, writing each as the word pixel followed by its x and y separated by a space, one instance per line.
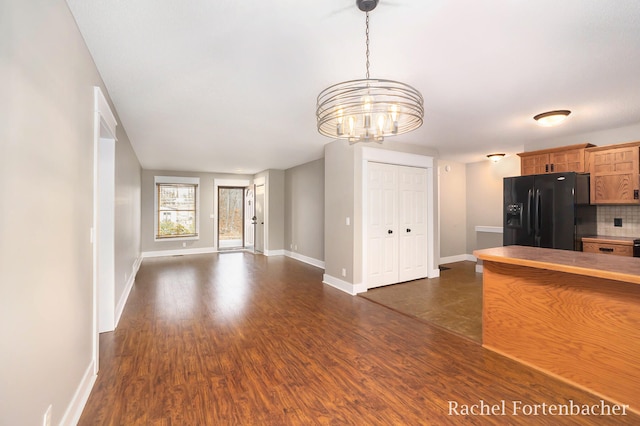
pixel 382 224
pixel 412 232
pixel 396 224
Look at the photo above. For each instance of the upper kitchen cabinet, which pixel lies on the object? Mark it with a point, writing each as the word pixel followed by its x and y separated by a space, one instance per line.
pixel 570 158
pixel 615 173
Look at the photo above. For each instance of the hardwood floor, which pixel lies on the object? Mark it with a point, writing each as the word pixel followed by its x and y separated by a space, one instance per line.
pixel 452 301
pixel 238 339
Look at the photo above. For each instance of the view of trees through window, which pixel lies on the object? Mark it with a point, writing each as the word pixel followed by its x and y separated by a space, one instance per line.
pixel 230 211
pixel 176 210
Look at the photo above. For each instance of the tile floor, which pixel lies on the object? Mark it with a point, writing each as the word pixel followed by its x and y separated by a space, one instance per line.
pixel 452 301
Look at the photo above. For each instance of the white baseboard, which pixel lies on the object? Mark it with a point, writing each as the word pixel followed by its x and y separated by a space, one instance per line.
pixel 127 289
pixel 274 252
pixel 306 259
pixel 457 258
pixel 178 252
pixel 80 397
pixel 352 289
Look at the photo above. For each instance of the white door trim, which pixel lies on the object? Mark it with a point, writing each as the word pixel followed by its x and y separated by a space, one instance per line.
pixel 216 184
pixel 104 131
pixel 265 213
pixel 377 155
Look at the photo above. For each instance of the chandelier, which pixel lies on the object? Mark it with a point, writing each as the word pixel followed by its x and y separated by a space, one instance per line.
pixel 368 109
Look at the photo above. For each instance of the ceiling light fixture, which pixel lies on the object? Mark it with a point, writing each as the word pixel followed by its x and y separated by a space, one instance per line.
pixel 495 157
pixel 552 118
pixel 368 109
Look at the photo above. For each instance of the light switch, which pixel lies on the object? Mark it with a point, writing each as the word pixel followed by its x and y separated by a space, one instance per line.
pixel 348 221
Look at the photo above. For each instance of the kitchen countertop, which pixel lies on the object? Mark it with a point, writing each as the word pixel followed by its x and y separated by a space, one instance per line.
pixel 618 268
pixel 610 239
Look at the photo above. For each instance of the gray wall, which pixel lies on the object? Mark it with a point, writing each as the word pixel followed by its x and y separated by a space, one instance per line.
pixel 343 198
pixel 600 138
pixel 452 193
pixel 46 170
pixel 275 203
pixel 207 224
pixel 127 212
pixel 338 203
pixel 484 197
pixel 304 209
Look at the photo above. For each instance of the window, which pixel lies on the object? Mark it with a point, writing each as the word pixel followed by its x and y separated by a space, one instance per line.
pixel 176 207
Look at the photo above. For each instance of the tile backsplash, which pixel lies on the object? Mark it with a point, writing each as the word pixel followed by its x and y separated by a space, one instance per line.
pixel 630 216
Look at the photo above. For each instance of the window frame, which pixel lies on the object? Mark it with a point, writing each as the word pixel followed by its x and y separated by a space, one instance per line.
pixel 175 180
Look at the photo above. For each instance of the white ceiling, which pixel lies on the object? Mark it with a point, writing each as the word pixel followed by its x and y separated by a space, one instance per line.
pixel 231 85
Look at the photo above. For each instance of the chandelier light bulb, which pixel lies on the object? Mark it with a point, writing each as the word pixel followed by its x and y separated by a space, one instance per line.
pixel 381 123
pixel 394 112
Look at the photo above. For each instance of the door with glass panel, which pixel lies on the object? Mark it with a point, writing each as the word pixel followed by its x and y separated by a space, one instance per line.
pixel 230 217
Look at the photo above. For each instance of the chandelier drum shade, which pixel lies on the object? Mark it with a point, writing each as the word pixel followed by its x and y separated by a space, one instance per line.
pixel 368 109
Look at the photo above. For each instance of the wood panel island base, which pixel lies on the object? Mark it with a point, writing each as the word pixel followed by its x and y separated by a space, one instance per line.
pixel 573 315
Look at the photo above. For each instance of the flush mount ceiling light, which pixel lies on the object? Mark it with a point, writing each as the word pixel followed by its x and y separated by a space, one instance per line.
pixel 495 157
pixel 552 118
pixel 368 109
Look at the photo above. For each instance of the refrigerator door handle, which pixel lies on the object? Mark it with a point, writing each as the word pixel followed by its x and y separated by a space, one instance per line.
pixel 538 219
pixel 530 212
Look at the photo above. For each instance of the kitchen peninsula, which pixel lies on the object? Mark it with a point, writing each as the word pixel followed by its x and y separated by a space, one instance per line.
pixel 573 315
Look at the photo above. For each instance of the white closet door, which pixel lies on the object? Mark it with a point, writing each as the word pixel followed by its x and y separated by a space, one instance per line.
pixel 382 224
pixel 412 192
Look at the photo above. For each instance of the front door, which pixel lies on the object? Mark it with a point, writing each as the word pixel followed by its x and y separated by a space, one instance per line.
pixel 230 217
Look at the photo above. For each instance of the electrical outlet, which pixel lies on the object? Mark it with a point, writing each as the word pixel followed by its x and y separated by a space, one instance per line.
pixel 46 419
pixel 617 221
pixel 184 244
pixel 344 272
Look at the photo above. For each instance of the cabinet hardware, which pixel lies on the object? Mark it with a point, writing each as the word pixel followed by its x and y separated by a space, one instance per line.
pixel 389 231
pixel 606 249
pixel 408 230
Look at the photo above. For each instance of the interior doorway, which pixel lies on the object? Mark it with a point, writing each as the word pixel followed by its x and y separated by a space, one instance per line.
pixel 231 217
pixel 249 219
pixel 103 229
pixel 259 215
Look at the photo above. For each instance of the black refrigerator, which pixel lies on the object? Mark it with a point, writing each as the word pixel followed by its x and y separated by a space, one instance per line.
pixel 550 211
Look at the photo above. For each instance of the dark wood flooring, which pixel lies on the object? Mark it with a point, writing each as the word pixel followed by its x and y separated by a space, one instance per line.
pixel 242 339
pixel 452 301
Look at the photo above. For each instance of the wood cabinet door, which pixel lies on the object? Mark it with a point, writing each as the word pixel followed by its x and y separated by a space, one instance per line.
pixel 567 161
pixel 615 177
pixel 534 164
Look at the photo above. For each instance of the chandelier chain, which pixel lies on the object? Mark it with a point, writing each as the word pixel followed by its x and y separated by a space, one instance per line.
pixel 367 34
